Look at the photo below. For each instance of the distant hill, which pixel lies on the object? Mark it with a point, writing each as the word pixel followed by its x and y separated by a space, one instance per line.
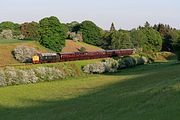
pixel 72 46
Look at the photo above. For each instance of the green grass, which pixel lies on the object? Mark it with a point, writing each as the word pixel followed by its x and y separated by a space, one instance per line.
pixel 150 92
pixel 12 41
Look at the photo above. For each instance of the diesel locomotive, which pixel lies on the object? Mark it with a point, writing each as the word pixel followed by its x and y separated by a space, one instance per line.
pixel 72 56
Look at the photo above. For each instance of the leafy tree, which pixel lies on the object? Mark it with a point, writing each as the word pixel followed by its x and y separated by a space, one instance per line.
pixel 107 39
pixel 121 40
pixel 52 33
pixel 91 33
pixel 73 26
pixel 168 35
pixel 152 40
pixel 138 38
pixel 10 26
pixel 30 30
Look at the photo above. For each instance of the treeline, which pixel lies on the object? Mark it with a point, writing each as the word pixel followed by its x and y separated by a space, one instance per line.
pixel 51 33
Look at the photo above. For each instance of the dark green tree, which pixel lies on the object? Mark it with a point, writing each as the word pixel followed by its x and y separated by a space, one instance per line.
pixel 10 26
pixel 112 27
pixel 168 35
pixel 121 40
pixel 30 30
pixel 52 33
pixel 91 33
pixel 152 41
pixel 138 38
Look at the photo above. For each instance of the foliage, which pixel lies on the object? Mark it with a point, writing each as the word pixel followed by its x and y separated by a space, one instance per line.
pixel 168 35
pixel 138 39
pixel 112 28
pixel 24 53
pixel 30 30
pixel 82 49
pixel 12 76
pixel 108 65
pixel 53 33
pixel 107 39
pixel 10 26
pixel 152 40
pixel 73 26
pixel 91 33
pixel 6 34
pixel 176 46
pixel 121 40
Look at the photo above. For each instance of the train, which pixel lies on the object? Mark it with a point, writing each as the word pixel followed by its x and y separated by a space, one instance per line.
pixel 73 56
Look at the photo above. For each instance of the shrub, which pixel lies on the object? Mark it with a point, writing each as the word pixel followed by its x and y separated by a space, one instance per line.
pixel 108 65
pixel 47 73
pixel 2 78
pixel 24 53
pixel 12 76
pixel 7 34
pixel 111 65
pixel 94 68
pixel 82 49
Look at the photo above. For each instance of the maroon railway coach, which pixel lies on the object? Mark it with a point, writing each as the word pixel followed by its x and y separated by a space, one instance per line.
pixel 72 56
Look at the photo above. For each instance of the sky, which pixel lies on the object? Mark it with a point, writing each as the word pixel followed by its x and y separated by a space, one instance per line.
pixel 125 14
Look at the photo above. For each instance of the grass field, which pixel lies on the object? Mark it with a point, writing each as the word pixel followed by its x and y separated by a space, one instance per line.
pixel 150 92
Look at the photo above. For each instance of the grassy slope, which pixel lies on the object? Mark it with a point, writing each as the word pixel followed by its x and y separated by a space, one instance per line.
pixel 150 92
pixel 7 46
pixel 72 46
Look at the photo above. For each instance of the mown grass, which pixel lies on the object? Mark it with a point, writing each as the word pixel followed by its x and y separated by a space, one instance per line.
pixel 12 41
pixel 150 92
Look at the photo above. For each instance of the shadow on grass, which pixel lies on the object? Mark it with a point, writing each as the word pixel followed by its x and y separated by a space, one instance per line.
pixel 147 97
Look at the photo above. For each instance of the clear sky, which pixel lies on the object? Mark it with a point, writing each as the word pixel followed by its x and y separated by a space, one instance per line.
pixel 126 14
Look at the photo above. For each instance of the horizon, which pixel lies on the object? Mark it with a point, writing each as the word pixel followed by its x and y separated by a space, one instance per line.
pixel 102 12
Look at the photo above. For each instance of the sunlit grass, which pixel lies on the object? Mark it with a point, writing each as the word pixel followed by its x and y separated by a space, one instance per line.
pixel 149 92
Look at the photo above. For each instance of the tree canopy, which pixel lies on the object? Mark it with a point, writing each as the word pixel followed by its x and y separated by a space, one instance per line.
pixel 91 33
pixel 52 33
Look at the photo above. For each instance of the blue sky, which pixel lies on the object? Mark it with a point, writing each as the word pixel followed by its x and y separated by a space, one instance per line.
pixel 126 14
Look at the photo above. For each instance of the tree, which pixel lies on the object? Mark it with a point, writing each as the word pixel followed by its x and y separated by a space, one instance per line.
pixel 52 33
pixel 112 27
pixel 121 40
pixel 168 35
pixel 91 33
pixel 152 40
pixel 73 26
pixel 138 38
pixel 147 24
pixel 30 30
pixel 10 26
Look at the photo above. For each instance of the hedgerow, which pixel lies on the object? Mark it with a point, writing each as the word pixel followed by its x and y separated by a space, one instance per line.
pixel 12 76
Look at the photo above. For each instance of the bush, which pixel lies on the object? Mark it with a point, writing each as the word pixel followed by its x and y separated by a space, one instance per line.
pixel 111 65
pixel 108 65
pixel 7 34
pixel 47 73
pixel 24 53
pixel 12 76
pixel 94 68
pixel 82 49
